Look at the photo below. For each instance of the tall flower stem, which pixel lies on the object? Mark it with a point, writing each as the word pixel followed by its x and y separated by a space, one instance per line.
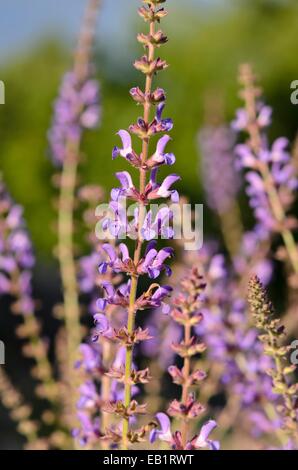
pixel 273 333
pixel 185 312
pixel 139 242
pixel 250 93
pixel 67 201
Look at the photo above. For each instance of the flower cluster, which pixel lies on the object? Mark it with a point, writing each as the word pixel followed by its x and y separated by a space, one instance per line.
pixel 237 363
pixel 16 264
pixel 77 108
pixel 220 179
pixel 271 337
pixel 149 263
pixel 271 178
pixel 185 313
pixel 16 255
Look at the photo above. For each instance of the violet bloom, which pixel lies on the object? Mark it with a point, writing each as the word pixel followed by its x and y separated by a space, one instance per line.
pixel 155 299
pixel 118 225
pixel 203 438
pixel 254 246
pixel 89 400
pixel 160 157
pixel 89 430
pixel 154 261
pixel 220 179
pixel 114 296
pixel 164 433
pixel 164 125
pixel 143 261
pixel 16 254
pixel 91 358
pixel 232 343
pixel 76 108
pixel 152 191
pixel 270 174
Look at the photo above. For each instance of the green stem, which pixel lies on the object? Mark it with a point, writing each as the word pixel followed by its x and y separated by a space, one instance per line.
pixel 137 253
pixel 67 262
pixel 66 208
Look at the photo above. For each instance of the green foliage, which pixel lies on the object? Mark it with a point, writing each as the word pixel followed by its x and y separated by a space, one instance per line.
pixel 204 54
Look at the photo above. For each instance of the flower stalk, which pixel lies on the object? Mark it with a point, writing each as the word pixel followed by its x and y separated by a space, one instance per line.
pixel 273 333
pixel 254 123
pixel 71 156
pixel 150 46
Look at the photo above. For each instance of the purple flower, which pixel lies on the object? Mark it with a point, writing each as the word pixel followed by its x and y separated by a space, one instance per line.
pixel 117 262
pixel 154 261
pixel 16 254
pixel 126 149
pixel 163 125
pixel 114 296
pixel 203 438
pixel 76 108
pixel 263 118
pixel 142 226
pixel 116 223
pixel 91 358
pixel 152 190
pixel 164 431
pixel 155 299
pixel 271 178
pixel 220 179
pixel 88 272
pixel 89 428
pixel 88 395
pixel 160 156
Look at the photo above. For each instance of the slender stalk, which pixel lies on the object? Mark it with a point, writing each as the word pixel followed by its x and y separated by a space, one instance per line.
pixel 288 399
pixel 273 332
pixel 138 248
pixel 19 410
pixel 67 203
pixel 38 350
pixel 66 256
pixel 249 94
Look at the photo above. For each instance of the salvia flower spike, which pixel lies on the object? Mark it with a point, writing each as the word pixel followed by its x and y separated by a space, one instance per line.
pixel 76 109
pixel 271 177
pixel 271 337
pixel 16 264
pixel 151 262
pixel 186 314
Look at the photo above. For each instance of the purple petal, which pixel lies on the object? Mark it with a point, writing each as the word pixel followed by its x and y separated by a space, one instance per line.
pixel 206 429
pixel 101 322
pixel 126 140
pixel 124 251
pixel 109 249
pixel 164 422
pixel 125 179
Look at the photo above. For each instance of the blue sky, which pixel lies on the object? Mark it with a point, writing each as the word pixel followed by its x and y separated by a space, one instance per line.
pixel 24 22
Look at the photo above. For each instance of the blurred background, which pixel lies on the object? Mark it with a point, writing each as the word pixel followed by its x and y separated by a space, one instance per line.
pixel 207 42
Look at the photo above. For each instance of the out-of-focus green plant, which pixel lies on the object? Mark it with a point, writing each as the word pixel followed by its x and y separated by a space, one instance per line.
pixel 216 44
